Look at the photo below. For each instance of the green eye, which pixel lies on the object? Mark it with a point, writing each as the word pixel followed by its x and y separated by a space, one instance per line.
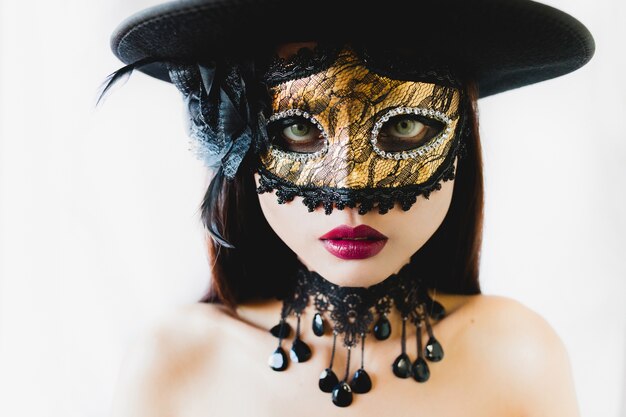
pixel 407 128
pixel 297 131
pixel 407 132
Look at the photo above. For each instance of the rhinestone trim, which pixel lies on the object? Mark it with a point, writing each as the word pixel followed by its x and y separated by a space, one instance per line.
pixel 299 156
pixel 427 147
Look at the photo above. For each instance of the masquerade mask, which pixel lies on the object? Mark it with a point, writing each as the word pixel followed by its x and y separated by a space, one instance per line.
pixel 347 136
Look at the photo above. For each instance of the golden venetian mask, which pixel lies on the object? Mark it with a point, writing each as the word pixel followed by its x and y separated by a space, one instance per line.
pixel 349 131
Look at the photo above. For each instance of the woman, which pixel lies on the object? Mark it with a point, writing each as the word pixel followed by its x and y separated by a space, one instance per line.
pixel 348 185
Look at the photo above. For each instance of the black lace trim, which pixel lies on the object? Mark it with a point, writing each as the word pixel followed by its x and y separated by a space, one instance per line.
pixel 352 309
pixel 379 59
pixel 365 199
pixel 305 62
pixel 399 65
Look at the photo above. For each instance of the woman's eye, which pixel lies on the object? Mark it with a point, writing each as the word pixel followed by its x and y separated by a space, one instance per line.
pixel 407 132
pixel 296 134
pixel 407 128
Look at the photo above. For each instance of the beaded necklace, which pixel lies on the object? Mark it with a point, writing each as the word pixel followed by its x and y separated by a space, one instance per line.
pixel 350 312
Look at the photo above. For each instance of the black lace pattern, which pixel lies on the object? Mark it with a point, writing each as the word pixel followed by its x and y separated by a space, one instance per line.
pixel 365 200
pixel 383 59
pixel 352 109
pixel 352 309
pixel 225 105
pixel 354 313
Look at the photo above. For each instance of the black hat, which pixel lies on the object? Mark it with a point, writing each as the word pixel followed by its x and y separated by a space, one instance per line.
pixel 501 44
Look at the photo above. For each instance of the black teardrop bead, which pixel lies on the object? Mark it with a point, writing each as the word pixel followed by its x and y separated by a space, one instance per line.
pixel 402 366
pixel 328 380
pixel 342 395
pixel 361 382
pixel 433 351
pixel 300 351
pixel 421 373
pixel 281 330
pixel 278 360
pixel 382 328
pixel 318 325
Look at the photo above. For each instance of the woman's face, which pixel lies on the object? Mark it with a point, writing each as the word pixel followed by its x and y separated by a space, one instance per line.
pixel 405 232
pixel 346 101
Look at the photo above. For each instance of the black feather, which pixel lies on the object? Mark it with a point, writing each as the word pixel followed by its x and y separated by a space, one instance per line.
pixel 122 73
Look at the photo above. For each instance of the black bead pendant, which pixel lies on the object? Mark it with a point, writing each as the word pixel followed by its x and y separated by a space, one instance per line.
pixel 421 373
pixel 382 328
pixel 342 394
pixel 281 330
pixel 328 380
pixel 402 366
pixel 361 382
pixel 318 325
pixel 434 351
pixel 300 351
pixel 278 360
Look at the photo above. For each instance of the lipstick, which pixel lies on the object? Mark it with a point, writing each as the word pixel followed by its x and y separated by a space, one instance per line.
pixel 361 242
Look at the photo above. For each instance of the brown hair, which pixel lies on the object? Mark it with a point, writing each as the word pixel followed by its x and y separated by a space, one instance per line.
pixel 258 265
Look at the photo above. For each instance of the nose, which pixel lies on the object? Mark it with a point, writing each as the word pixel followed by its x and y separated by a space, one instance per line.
pixel 351 156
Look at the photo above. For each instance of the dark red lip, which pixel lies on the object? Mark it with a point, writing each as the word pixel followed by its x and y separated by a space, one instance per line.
pixel 359 232
pixel 360 242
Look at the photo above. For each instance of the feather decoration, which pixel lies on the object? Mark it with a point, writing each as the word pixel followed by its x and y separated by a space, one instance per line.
pixel 122 74
pixel 222 123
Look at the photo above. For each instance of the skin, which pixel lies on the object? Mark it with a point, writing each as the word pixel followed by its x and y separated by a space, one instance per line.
pixel 501 359
pixel 407 231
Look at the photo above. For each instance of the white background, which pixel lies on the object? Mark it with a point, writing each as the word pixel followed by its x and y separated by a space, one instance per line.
pixel 99 229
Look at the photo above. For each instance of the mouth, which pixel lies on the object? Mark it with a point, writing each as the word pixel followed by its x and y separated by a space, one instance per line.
pixel 361 242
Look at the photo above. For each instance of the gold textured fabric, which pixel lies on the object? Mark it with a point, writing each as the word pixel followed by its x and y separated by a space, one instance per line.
pixel 341 107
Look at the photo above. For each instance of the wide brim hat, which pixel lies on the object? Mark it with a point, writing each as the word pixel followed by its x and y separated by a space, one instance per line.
pixel 501 44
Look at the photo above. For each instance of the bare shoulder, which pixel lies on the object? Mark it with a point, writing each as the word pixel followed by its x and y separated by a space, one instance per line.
pixel 163 356
pixel 506 320
pixel 182 330
pixel 519 350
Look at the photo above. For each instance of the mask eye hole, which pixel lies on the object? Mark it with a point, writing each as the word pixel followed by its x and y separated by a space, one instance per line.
pixel 402 133
pixel 296 131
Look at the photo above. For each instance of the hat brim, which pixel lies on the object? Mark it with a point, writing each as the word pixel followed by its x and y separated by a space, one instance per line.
pixel 501 44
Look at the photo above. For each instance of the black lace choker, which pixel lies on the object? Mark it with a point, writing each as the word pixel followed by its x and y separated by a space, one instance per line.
pixel 352 310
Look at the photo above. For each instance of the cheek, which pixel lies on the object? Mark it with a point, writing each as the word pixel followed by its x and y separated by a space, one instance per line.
pixel 272 211
pixel 292 222
pixel 413 228
pixel 279 220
